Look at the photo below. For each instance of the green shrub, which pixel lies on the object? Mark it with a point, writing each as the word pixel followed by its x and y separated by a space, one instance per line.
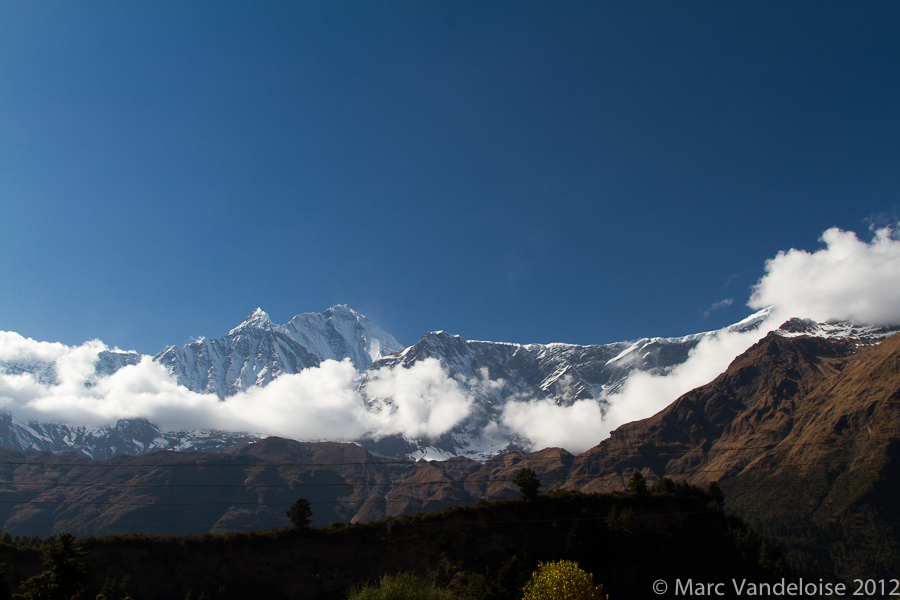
pixel 404 586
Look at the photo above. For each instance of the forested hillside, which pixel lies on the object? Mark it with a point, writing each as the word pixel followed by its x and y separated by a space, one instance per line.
pixel 627 541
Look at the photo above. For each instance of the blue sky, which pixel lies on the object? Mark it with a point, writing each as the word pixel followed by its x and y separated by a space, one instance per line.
pixel 515 171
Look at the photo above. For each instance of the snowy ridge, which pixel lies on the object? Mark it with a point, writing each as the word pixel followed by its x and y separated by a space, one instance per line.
pixel 860 334
pixel 44 369
pixel 492 374
pixel 340 332
pixel 257 351
pixel 753 321
pixel 128 436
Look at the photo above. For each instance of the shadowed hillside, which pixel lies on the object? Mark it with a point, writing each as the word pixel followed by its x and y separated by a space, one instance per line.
pixel 626 541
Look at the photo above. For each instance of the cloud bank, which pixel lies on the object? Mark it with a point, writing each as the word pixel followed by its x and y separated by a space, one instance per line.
pixel 584 423
pixel 545 424
pixel 325 402
pixel 847 279
pixel 322 402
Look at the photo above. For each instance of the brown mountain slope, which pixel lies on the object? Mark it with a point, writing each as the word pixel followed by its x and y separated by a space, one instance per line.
pixel 249 487
pixel 718 429
pixel 834 476
pixel 431 485
pixel 801 433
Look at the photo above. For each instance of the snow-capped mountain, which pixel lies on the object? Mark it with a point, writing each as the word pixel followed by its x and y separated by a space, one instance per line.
pixel 44 370
pixel 251 354
pixel 859 334
pixel 491 374
pixel 257 351
pixel 495 373
pixel 127 436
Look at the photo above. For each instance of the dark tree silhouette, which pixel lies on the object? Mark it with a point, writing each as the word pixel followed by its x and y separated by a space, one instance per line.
pixel 637 484
pixel 528 483
pixel 63 571
pixel 715 493
pixel 300 513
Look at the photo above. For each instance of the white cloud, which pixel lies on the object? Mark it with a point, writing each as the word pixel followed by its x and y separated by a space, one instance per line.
pixel 848 279
pixel 318 403
pixel 16 348
pixel 575 427
pixel 143 390
pixel 644 395
pixel 720 304
pixel 421 400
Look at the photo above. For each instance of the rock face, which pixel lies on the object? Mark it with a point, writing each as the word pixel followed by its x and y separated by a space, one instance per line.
pixel 257 351
pixel 249 486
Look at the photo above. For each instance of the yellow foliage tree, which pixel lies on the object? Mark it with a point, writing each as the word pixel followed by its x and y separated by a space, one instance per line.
pixel 562 580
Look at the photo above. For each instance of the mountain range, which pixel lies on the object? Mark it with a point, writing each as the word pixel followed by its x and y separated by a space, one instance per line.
pixel 252 354
pixel 491 374
pixel 800 431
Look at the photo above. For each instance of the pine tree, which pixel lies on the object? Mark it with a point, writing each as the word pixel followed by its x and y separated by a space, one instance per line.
pixel 508 583
pixel 663 485
pixel 528 483
pixel 300 513
pixel 637 484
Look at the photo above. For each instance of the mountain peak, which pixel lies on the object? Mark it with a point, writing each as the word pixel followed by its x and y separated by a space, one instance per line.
pixel 258 319
pixel 341 309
